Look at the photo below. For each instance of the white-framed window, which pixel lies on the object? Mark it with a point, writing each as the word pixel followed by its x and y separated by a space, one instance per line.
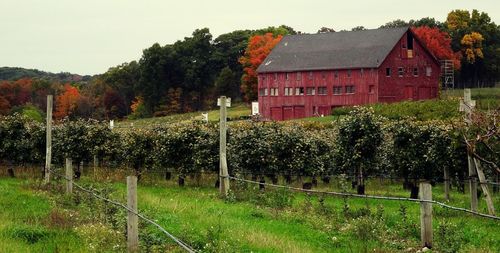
pixel 371 89
pixel 337 90
pixel 428 71
pixel 288 91
pixel 415 71
pixel 263 92
pixel 349 89
pixel 322 91
pixel 299 91
pixel 388 72
pixel 400 71
pixel 274 92
pixel 310 91
pixel 287 76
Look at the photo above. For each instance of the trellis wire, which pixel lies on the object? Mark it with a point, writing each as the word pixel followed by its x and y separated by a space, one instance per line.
pixel 175 239
pixel 345 194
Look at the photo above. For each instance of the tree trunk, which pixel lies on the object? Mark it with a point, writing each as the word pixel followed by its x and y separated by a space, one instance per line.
pixel 181 182
pixel 78 172
pixel 361 182
pixel 288 179
pixel 262 181
pixel 10 170
pixel 314 182
pixel 325 179
pixel 168 175
pixel 414 190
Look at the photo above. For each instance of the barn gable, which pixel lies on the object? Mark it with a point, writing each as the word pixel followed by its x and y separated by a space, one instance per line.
pixel 338 50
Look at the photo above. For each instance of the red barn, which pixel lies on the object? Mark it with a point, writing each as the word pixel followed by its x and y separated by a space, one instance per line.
pixel 309 75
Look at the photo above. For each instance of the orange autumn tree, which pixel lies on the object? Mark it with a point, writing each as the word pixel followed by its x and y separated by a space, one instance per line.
pixel 259 46
pixel 66 102
pixel 439 43
pixel 473 46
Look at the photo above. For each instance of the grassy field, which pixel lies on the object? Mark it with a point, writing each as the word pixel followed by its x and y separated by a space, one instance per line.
pixel 444 108
pixel 37 218
pixel 233 113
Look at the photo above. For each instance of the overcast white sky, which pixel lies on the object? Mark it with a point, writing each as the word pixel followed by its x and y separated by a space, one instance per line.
pixel 89 36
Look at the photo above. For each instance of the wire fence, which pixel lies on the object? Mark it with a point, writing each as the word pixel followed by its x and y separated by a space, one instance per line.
pixel 182 244
pixel 346 194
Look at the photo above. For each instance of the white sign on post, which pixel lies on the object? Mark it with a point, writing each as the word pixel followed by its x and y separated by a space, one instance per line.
pixel 255 108
pixel 111 124
pixel 228 102
pixel 204 117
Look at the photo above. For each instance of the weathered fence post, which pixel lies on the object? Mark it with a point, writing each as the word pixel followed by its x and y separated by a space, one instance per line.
pixel 69 176
pixel 426 214
pixel 132 219
pixel 472 184
pixel 223 172
pixel 48 153
pixel 446 184
pixel 484 187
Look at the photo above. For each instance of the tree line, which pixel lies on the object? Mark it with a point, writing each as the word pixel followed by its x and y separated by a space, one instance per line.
pixel 189 74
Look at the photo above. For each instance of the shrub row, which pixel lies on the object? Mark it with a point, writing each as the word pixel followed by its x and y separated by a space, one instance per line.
pixel 361 144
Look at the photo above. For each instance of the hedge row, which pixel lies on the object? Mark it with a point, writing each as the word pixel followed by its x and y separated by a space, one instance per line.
pixel 359 144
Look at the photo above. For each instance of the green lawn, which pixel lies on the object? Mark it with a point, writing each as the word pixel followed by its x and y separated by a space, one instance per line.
pixel 233 113
pixel 41 219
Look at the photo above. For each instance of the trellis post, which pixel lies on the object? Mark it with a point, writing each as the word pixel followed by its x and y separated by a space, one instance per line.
pixel 426 214
pixel 223 102
pixel 48 140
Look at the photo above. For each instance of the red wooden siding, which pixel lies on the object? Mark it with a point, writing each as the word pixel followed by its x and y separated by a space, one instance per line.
pixel 371 85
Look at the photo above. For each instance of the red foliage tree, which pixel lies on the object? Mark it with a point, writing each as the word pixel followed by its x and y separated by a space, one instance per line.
pixel 66 102
pixel 16 92
pixel 4 106
pixel 258 48
pixel 439 43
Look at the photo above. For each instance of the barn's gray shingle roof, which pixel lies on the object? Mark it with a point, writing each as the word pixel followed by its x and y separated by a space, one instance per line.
pixel 338 50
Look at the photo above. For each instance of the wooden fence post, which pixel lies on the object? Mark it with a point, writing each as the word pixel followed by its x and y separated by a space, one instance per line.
pixel 484 187
pixel 426 215
pixel 223 172
pixel 132 219
pixel 69 176
pixel 48 140
pixel 447 184
pixel 472 184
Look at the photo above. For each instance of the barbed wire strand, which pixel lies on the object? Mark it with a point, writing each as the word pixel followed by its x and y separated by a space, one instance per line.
pixel 175 239
pixel 345 194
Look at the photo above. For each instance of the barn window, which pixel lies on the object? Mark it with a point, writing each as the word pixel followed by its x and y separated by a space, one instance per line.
pixel 287 76
pixel 428 71
pixel 400 71
pixel 409 39
pixel 415 71
pixel 297 75
pixel 387 71
pixel 263 92
pixel 322 91
pixel 371 89
pixel 288 91
pixel 299 91
pixel 274 91
pixel 311 91
pixel 337 90
pixel 348 73
pixel 349 89
pixel 361 72
pixel 310 75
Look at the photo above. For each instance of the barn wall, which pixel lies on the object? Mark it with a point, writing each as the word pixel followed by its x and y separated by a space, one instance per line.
pixel 298 106
pixel 409 86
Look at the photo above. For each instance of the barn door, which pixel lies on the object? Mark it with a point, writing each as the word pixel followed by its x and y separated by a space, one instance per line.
pixel 287 112
pixel 299 112
pixel 408 92
pixel 324 110
pixel 276 113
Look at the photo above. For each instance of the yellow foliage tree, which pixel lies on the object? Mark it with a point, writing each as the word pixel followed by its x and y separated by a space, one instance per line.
pixel 472 46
